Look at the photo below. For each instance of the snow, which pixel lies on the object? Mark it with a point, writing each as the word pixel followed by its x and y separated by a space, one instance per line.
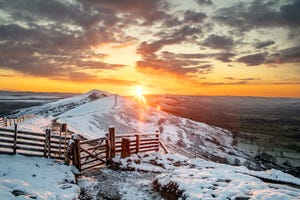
pixel 63 105
pixel 91 115
pixel 200 179
pixel 37 124
pixel 36 178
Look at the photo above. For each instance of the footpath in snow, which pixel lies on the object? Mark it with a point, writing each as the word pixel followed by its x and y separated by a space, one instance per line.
pixel 199 179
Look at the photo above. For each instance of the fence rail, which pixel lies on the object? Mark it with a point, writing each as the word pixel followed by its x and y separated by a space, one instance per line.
pixel 28 143
pixel 84 154
pixel 92 153
pixel 4 122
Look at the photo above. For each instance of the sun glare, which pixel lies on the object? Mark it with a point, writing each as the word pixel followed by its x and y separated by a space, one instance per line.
pixel 139 91
pixel 139 94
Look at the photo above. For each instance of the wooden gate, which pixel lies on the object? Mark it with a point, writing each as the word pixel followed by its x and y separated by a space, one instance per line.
pixel 88 154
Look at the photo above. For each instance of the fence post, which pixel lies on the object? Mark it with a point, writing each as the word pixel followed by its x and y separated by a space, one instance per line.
pixel 137 140
pixel 5 122
pixel 157 137
pixel 112 138
pixel 46 143
pixel 108 151
pixel 65 129
pixel 49 143
pixel 76 154
pixel 15 138
pixel 125 148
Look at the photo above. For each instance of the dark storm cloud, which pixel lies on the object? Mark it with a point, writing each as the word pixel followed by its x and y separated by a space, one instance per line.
pixel 253 60
pixel 218 42
pixel 264 44
pixel 204 2
pixel 260 14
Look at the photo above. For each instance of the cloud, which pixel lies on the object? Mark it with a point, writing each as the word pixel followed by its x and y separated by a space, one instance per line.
pixel 87 78
pixel 194 17
pixel 149 11
pixel 172 66
pixel 204 2
pixel 7 76
pixel 224 83
pixel 249 79
pixel 98 65
pixel 229 78
pixel 253 59
pixel 288 55
pixel 290 13
pixel 56 38
pixel 218 42
pixel 260 14
pixel 224 56
pixel 264 44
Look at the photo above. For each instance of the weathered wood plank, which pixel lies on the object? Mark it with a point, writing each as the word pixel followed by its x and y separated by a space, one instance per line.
pixel 149 142
pixel 7 130
pixel 149 146
pixel 31 139
pixel 92 166
pixel 7 141
pixel 6 135
pixel 92 140
pixel 6 146
pixel 93 155
pixel 30 144
pixel 29 149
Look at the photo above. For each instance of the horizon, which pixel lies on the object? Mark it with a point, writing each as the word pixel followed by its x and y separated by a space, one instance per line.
pixel 133 95
pixel 193 47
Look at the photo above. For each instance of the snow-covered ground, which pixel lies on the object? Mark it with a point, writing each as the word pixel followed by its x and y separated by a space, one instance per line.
pixel 36 178
pixel 91 115
pixel 200 179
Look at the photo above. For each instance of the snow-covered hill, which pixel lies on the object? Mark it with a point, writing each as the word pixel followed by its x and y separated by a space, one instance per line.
pixel 91 114
pixel 61 106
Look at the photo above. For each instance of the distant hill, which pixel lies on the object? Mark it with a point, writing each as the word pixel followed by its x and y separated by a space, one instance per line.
pixel 10 101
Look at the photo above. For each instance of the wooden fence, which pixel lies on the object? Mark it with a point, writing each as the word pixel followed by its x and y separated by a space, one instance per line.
pixel 28 143
pixel 88 154
pixel 10 122
pixel 84 154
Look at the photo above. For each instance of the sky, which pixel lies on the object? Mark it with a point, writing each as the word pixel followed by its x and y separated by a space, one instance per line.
pixel 192 47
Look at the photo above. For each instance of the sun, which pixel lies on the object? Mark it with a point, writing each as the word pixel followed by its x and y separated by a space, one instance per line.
pixel 139 93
